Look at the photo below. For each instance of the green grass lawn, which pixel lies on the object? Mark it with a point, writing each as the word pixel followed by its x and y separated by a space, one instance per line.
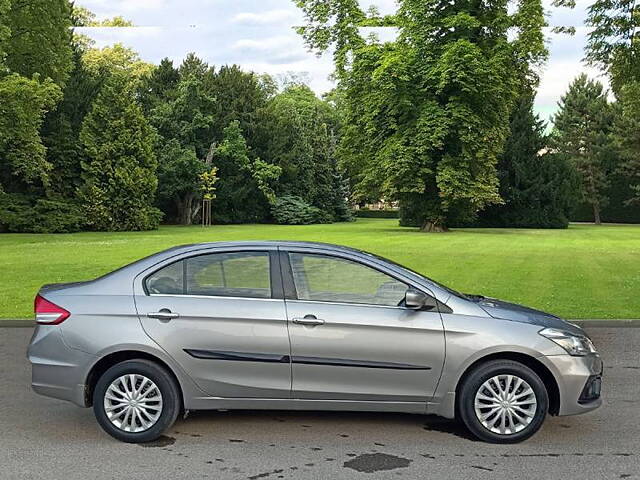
pixel 582 272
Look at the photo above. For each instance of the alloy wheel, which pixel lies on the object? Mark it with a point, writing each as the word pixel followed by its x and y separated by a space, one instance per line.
pixel 505 404
pixel 133 403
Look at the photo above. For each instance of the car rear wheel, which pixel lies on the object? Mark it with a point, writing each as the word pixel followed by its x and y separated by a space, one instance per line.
pixel 503 401
pixel 136 401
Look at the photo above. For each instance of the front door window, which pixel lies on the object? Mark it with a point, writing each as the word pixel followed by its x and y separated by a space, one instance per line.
pixel 325 278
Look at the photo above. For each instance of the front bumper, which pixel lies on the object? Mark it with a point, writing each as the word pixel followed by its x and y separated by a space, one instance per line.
pixel 56 370
pixel 579 380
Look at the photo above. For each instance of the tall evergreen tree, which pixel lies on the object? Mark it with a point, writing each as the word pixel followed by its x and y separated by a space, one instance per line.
pixel 160 85
pixel 119 177
pixel 582 129
pixel 61 129
pixel 239 96
pixel 538 187
pixel 427 115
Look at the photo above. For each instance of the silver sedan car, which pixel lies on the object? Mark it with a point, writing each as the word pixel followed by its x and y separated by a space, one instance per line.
pixel 302 326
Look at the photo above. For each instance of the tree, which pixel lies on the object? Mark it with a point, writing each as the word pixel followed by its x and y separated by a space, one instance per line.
pixel 614 41
pixel 539 188
pixel 614 46
pixel 581 132
pixel 5 31
pixel 300 133
pixel 266 175
pixel 179 171
pixel 208 181
pixel 239 96
pixel 119 177
pixel 83 17
pixel 427 114
pixel 23 104
pixel 238 198
pixel 61 129
pixel 160 85
pixel 117 59
pixel 179 107
pixel 626 137
pixel 39 39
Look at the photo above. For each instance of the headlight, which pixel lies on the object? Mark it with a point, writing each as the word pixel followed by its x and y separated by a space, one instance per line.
pixel 576 345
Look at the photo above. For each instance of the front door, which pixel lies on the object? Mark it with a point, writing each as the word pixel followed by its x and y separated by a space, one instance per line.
pixel 351 336
pixel 221 316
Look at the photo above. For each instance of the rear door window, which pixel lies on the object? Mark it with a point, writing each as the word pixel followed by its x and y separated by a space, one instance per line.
pixel 234 274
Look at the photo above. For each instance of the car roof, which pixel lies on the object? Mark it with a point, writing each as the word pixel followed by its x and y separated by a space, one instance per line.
pixel 267 243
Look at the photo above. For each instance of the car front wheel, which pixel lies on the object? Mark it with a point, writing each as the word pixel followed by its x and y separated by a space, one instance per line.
pixel 503 401
pixel 135 401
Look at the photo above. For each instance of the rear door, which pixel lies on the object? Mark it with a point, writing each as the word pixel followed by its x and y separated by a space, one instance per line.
pixel 351 337
pixel 221 316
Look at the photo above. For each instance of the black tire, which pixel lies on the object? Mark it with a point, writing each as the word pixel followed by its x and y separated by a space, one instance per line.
pixel 474 381
pixel 165 383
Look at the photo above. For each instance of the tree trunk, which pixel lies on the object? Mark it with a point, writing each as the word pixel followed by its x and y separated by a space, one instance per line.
pixel 596 214
pixel 184 206
pixel 434 226
pixel 194 210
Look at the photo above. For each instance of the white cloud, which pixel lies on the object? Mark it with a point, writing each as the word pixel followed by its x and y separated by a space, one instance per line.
pixel 262 18
pixel 263 44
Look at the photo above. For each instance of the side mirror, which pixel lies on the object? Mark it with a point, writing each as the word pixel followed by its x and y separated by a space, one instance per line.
pixel 417 300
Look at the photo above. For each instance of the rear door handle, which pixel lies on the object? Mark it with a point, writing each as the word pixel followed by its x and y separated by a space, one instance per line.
pixel 311 320
pixel 164 314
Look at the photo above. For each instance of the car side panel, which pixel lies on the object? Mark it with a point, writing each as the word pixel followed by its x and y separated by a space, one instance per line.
pixel 365 352
pixel 232 347
pixel 63 355
pixel 56 370
pixel 470 338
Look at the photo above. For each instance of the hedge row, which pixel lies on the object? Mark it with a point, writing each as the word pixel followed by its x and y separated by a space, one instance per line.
pixel 366 213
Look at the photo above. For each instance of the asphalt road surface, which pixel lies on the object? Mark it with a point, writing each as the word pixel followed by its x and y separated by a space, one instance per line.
pixel 46 438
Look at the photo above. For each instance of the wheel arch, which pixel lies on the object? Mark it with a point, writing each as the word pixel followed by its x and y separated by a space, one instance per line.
pixel 547 377
pixel 113 358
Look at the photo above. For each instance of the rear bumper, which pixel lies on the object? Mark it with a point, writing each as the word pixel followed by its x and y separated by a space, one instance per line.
pixel 56 370
pixel 574 376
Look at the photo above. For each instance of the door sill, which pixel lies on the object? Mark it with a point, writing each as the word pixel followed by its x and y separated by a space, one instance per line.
pixel 214 403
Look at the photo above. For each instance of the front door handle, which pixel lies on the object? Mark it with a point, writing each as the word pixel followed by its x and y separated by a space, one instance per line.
pixel 311 320
pixel 164 314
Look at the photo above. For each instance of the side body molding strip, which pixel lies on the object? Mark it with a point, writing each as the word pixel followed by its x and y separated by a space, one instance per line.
pixel 275 358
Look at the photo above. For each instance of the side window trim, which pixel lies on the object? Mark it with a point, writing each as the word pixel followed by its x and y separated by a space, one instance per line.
pixel 291 293
pixel 289 282
pixel 275 274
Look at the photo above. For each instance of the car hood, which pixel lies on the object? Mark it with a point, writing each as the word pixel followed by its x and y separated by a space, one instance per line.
pixel 519 313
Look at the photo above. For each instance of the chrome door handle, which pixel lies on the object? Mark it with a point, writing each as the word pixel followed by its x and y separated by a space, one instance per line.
pixel 163 314
pixel 308 320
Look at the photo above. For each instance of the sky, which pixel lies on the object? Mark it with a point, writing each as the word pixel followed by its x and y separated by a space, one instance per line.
pixel 259 36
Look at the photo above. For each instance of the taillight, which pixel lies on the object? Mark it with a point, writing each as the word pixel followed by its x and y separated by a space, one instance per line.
pixel 48 313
